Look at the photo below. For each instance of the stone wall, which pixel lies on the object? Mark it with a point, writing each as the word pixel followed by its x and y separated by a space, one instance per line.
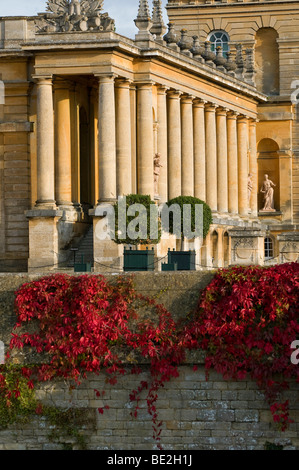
pixel 197 414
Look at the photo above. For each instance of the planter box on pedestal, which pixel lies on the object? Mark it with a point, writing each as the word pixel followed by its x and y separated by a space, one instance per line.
pixel 185 260
pixel 139 260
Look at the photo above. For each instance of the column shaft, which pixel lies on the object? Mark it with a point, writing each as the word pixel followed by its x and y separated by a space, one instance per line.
pixel 162 141
pixel 75 132
pixel 253 203
pixel 123 138
pixel 45 144
pixel 107 144
pixel 232 151
pixel 145 139
pixel 63 142
pixel 174 145
pixel 211 156
pixel 243 164
pixel 222 172
pixel 199 150
pixel 187 146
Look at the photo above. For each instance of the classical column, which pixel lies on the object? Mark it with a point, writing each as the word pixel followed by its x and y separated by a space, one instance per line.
pixel 211 156
pixel 253 203
pixel 242 128
pixel 107 140
pixel 133 116
pixel 232 153
pixel 63 143
pixel 45 144
pixel 187 145
pixel 123 138
pixel 44 218
pixel 199 149
pixel 174 145
pixel 162 141
pixel 75 132
pixel 222 173
pixel 145 139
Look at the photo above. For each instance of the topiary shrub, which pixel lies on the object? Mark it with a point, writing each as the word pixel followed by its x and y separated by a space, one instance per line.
pixel 144 220
pixel 181 201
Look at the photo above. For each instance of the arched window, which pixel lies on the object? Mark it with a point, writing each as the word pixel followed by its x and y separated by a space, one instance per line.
pixel 219 38
pixel 269 248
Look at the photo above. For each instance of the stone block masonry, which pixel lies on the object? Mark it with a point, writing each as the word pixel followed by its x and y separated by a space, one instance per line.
pixel 197 414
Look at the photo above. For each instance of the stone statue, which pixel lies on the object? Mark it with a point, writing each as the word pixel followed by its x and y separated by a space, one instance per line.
pixel 157 166
pixel 74 15
pixel 250 187
pixel 268 191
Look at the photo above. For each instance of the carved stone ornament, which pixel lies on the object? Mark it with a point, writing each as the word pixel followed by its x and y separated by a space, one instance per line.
pixel 244 250
pixel 74 15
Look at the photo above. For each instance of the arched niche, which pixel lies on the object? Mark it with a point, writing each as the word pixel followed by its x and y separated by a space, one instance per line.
pixel 226 249
pixel 214 242
pixel 268 164
pixel 267 61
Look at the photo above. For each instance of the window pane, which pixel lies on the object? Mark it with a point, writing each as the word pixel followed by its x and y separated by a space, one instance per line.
pixel 219 38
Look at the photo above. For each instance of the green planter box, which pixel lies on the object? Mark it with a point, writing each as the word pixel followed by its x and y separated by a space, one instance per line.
pixel 83 268
pixel 185 260
pixel 139 260
pixel 169 266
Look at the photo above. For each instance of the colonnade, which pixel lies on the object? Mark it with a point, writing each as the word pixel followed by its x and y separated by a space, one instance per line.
pixel 207 150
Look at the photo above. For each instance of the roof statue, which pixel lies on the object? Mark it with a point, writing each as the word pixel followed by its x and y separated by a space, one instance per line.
pixel 74 15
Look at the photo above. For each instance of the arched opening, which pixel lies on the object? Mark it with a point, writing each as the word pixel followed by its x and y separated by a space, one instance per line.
pixel 215 248
pixel 226 249
pixel 85 161
pixel 267 61
pixel 268 164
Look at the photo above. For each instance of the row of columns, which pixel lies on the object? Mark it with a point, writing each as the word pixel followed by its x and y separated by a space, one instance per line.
pixel 206 150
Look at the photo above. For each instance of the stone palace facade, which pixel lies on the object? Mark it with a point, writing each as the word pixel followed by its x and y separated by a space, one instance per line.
pixel 84 111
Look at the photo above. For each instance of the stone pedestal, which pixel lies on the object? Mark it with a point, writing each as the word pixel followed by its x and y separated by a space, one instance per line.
pixel 43 240
pixel 288 247
pixel 108 255
pixel 247 247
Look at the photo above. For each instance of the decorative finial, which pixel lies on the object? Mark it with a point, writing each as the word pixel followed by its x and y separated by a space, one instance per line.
pixel 143 22
pixel 158 29
pixel 250 70
pixel 184 43
pixel 240 61
pixel 171 38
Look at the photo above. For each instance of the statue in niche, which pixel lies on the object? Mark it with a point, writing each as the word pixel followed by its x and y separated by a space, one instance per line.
pixel 250 187
pixel 157 166
pixel 268 191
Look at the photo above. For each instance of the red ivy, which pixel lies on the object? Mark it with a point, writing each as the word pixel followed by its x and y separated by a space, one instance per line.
pixel 245 321
pixel 84 324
